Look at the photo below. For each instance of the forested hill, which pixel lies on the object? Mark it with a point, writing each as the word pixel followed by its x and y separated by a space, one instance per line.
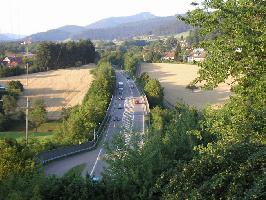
pixel 143 26
pixel 115 21
pixel 155 26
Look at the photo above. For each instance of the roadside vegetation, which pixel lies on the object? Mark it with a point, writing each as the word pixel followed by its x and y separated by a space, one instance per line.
pixel 80 121
pixel 186 154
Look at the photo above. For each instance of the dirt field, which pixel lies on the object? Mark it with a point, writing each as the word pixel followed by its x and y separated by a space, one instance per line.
pixel 175 77
pixel 59 88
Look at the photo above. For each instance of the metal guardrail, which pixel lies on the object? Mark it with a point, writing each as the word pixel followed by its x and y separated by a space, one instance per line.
pixel 58 153
pixel 167 104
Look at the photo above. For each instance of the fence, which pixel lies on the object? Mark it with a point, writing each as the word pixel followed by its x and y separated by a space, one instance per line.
pixel 167 104
pixel 55 154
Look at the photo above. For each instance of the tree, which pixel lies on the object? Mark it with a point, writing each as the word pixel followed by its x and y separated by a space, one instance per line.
pixel 178 51
pixel 238 51
pixel 9 104
pixel 131 63
pixel 37 114
pixel 15 158
pixel 15 86
pixel 154 92
pixel 2 122
pixel 171 43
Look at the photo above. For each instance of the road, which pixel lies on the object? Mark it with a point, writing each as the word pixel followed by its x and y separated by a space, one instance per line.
pixel 130 118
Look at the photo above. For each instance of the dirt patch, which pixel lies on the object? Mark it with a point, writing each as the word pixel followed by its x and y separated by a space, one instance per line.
pixel 175 77
pixel 59 88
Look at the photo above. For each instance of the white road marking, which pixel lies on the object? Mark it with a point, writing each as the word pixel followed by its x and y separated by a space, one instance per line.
pixel 96 161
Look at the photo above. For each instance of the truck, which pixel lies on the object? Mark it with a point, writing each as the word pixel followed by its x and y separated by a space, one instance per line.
pixel 120 85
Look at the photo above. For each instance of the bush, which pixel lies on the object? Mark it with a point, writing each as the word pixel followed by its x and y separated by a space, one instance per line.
pixel 78 64
pixel 11 71
pixel 15 85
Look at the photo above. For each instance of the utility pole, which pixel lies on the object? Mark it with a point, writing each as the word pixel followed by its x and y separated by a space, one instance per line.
pixel 27 79
pixel 94 135
pixel 27 64
pixel 27 120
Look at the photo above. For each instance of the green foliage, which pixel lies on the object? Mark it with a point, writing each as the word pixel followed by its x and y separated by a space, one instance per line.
pixel 171 43
pixel 133 172
pixel 37 114
pixel 154 92
pixel 130 64
pixel 80 122
pixel 152 89
pixel 15 85
pixel 116 58
pixel 2 122
pixel 58 55
pixel 237 171
pixel 9 104
pixel 15 158
pixel 11 71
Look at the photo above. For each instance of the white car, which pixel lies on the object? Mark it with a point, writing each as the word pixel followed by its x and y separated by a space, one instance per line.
pixel 120 106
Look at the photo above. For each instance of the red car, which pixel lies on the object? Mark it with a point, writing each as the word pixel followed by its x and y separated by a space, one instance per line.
pixel 137 101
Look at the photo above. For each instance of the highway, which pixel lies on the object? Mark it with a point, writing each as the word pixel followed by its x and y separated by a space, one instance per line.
pixel 126 115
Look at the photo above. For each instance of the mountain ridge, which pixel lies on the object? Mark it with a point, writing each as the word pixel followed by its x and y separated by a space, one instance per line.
pixel 115 21
pixel 116 28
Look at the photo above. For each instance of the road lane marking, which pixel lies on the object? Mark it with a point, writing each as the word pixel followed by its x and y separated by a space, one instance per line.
pixel 96 161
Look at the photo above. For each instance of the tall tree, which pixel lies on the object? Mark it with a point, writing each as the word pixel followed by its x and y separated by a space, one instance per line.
pixel 9 103
pixel 37 114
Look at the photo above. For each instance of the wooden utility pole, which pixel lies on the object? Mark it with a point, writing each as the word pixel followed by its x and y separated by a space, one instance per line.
pixel 27 120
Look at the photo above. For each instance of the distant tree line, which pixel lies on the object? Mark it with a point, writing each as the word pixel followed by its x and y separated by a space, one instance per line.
pixel 51 55
pixel 48 56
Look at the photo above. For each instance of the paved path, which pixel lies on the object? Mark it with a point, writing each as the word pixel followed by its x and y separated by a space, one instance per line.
pixel 131 117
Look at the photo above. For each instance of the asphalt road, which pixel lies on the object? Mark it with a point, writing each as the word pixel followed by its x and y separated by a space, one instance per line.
pixel 131 118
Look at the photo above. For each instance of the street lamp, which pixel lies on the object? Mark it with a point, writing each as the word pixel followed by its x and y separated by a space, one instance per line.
pixel 94 132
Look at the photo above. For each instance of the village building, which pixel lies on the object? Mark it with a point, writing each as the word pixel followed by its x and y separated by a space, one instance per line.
pixel 169 56
pixel 197 55
pixel 12 61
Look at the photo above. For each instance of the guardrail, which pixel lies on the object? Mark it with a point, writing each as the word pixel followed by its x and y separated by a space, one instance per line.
pixel 58 153
pixel 167 104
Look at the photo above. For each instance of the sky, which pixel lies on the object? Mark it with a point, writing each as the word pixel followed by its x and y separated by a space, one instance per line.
pixel 25 17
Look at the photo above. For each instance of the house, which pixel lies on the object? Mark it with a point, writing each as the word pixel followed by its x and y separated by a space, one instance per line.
pixel 169 56
pixel 12 61
pixel 197 55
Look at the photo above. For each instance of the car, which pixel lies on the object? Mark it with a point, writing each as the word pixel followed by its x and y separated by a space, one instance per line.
pixel 116 118
pixel 137 101
pixel 95 179
pixel 128 77
pixel 132 86
pixel 120 106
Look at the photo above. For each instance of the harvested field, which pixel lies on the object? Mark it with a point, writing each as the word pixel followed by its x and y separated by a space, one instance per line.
pixel 59 88
pixel 175 77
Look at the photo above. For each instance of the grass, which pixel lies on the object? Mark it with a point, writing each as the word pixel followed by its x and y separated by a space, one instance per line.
pixel 21 135
pixel 45 131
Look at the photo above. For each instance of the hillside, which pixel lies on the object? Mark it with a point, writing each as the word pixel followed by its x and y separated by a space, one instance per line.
pixel 155 26
pixel 115 21
pixel 116 28
pixel 10 36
